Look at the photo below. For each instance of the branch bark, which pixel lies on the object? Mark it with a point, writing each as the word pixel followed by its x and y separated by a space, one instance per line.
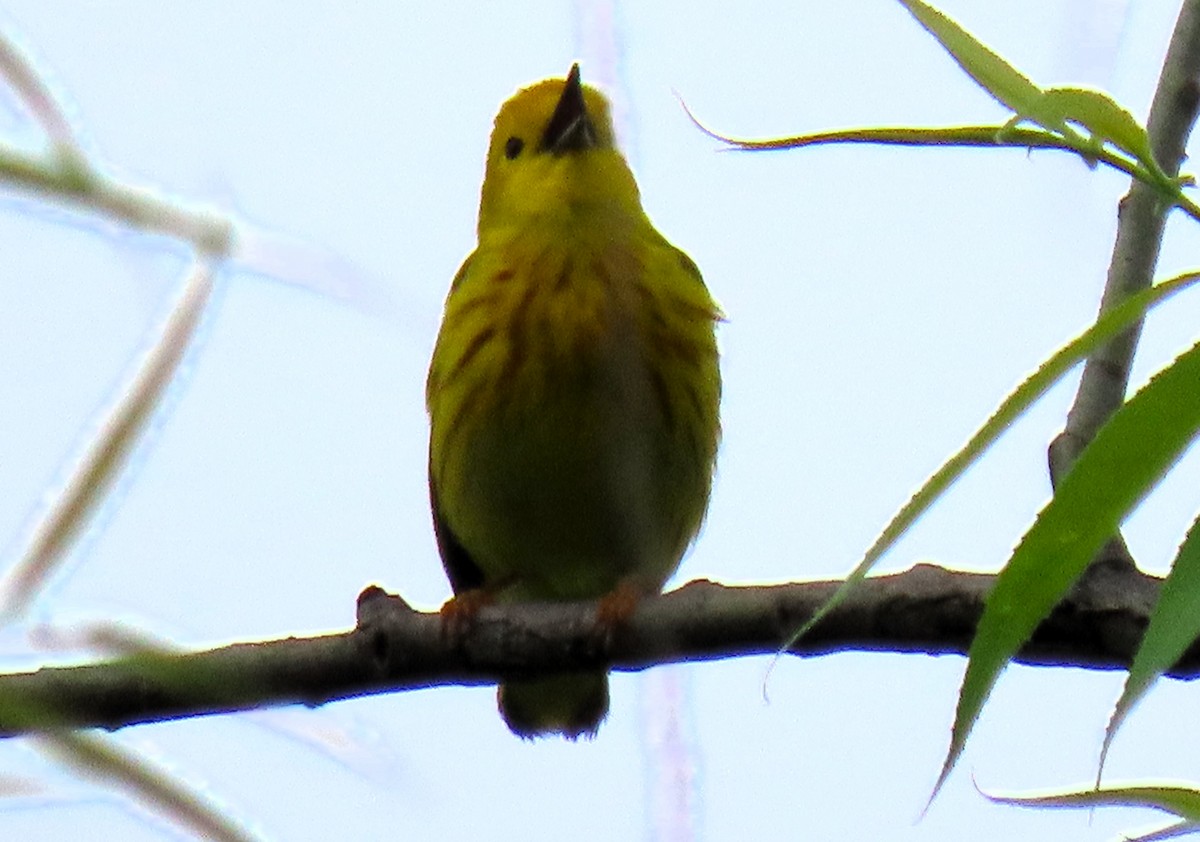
pixel 1141 220
pixel 393 647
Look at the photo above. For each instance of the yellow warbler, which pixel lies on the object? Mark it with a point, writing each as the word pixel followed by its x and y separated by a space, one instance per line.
pixel 573 391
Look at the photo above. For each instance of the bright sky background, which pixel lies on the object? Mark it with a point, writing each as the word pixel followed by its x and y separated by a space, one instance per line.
pixel 881 302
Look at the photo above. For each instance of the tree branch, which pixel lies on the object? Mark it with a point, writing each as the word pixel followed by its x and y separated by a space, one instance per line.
pixel 925 609
pixel 1142 217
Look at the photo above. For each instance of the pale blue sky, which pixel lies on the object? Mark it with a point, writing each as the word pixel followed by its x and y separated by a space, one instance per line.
pixel 881 302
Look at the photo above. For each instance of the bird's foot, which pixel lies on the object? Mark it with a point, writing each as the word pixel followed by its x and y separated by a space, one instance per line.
pixel 459 611
pixel 616 608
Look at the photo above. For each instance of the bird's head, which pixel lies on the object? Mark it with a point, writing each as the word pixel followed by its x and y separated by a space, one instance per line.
pixel 552 152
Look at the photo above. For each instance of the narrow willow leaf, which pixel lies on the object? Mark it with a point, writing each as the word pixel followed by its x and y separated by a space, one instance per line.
pixel 1105 120
pixel 1037 384
pixel 1030 103
pixel 1180 801
pixel 1127 458
pixel 1102 116
pixel 1056 109
pixel 1008 136
pixel 107 453
pixel 1174 625
pixel 995 75
pixel 1174 831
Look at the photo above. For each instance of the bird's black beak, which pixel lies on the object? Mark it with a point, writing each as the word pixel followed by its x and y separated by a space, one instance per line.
pixel 570 128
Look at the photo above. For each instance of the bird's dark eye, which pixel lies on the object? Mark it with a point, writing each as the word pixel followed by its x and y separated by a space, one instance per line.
pixel 513 147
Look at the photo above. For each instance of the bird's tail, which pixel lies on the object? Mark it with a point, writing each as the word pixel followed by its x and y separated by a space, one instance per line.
pixel 572 704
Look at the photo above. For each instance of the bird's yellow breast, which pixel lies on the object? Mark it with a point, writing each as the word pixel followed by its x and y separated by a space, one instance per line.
pixel 564 443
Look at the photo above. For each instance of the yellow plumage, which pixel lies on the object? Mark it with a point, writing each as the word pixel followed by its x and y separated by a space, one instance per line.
pixel 574 388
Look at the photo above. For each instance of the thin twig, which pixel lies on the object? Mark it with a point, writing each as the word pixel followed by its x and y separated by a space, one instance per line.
pixel 89 190
pixel 120 767
pixel 33 91
pixel 108 450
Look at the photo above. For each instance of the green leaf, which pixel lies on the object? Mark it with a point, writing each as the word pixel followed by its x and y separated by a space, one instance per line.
pixel 991 72
pixel 1174 625
pixel 1010 135
pixel 1037 384
pixel 1055 109
pixel 1107 122
pixel 1127 458
pixel 1180 801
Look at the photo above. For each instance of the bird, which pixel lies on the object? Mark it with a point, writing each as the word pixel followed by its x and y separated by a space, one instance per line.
pixel 573 393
